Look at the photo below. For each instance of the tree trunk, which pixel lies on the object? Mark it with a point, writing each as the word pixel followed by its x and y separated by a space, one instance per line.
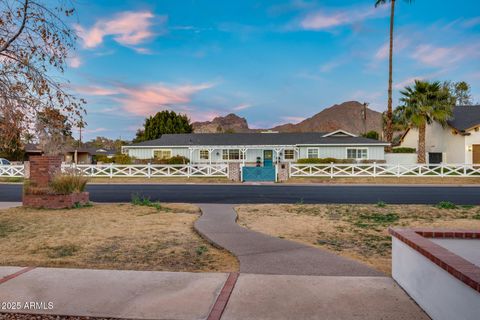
pixel 421 144
pixel 389 129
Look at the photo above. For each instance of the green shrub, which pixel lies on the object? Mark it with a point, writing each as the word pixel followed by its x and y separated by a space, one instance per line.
pixel 446 205
pixel 322 161
pixel 117 159
pixel 404 150
pixel 372 135
pixel 381 204
pixel 68 183
pixel 172 160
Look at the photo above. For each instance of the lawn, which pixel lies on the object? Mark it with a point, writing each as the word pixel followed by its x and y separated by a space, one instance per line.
pixel 114 236
pixel 354 231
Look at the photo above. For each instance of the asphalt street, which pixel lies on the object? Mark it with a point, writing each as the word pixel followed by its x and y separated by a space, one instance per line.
pixel 233 194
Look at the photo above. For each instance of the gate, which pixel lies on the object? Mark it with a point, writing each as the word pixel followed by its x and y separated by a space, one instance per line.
pixel 258 173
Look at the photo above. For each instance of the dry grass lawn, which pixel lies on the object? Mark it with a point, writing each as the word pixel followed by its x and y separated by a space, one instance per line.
pixel 120 236
pixel 355 231
pixel 143 180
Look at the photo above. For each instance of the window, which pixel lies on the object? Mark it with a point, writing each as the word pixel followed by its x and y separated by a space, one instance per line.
pixel 204 155
pixel 312 153
pixel 162 154
pixel 232 154
pixel 357 153
pixel 289 154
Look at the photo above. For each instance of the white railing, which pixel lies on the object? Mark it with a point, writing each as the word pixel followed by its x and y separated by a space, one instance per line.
pixel 149 170
pixel 12 171
pixel 384 170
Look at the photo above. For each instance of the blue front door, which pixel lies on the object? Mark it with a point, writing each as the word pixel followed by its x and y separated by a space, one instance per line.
pixel 268 158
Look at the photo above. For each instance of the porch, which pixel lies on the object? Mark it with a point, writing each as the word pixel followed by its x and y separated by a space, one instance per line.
pixel 264 156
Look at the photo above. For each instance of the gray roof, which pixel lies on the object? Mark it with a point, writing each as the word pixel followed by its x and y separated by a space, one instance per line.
pixel 465 117
pixel 254 139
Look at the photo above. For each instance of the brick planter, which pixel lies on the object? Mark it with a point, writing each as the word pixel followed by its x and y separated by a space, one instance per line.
pixel 55 201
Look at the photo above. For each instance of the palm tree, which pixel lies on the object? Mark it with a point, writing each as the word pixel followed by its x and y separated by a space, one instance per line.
pixel 424 103
pixel 389 125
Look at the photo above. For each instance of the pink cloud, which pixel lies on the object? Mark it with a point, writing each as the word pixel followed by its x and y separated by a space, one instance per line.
pixel 399 44
pixel 242 106
pixel 147 100
pixel 95 90
pixel 293 119
pixel 443 56
pixel 127 28
pixel 74 62
pixel 324 20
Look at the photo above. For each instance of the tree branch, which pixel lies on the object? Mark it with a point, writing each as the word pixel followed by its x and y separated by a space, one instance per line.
pixel 22 26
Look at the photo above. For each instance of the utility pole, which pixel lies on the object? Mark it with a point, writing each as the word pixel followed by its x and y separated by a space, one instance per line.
pixel 364 116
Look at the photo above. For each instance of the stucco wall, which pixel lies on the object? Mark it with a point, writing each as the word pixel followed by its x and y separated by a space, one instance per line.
pixel 442 296
pixel 401 158
pixel 439 139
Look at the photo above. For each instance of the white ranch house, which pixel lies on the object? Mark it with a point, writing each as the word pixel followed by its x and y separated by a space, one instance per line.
pixel 268 147
pixel 458 142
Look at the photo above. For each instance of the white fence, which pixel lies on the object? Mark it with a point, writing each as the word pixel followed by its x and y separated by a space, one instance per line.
pixel 13 171
pixel 383 170
pixel 150 170
pixel 117 170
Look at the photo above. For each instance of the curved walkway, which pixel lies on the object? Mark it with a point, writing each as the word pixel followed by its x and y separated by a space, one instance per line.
pixel 262 254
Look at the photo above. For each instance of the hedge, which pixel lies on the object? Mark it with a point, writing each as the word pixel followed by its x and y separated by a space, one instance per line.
pixel 404 150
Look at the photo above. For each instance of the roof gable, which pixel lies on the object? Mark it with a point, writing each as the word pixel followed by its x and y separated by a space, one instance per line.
pixel 465 118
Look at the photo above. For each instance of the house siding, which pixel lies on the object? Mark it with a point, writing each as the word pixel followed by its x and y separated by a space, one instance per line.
pixel 338 152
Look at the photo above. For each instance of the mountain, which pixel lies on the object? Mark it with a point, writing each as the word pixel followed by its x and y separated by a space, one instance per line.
pixel 347 116
pixel 229 123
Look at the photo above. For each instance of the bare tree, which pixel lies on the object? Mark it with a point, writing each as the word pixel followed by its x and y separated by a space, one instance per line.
pixel 35 42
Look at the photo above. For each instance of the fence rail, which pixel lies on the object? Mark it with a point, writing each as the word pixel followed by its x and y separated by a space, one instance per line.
pixel 149 170
pixel 116 170
pixel 12 171
pixel 384 170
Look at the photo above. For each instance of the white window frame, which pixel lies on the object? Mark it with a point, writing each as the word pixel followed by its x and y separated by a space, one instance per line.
pixel 240 154
pixel 203 157
pixel 356 153
pixel 284 154
pixel 163 150
pixel 317 150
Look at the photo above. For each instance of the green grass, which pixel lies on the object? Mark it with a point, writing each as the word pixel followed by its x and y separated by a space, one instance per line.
pixel 446 205
pixel 476 217
pixel 201 250
pixel 139 200
pixel 381 204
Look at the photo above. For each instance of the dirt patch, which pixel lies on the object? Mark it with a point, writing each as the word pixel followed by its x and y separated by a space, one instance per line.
pixel 120 236
pixel 355 231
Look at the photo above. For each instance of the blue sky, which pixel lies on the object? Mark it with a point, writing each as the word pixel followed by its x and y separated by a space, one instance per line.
pixel 269 61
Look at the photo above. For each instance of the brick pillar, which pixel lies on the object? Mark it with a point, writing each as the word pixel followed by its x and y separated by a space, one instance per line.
pixel 43 169
pixel 283 171
pixel 234 173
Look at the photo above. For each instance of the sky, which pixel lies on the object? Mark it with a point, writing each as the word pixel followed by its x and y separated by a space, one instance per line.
pixel 271 62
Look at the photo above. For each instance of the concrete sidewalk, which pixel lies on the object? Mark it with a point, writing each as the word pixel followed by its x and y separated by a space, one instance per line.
pixel 6 205
pixel 262 254
pixel 171 295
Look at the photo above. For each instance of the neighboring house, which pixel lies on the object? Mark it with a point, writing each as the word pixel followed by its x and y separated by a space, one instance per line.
pixel 86 155
pixel 268 148
pixel 457 143
pixel 72 155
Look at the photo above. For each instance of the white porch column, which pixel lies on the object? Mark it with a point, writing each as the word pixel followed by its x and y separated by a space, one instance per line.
pixel 191 153
pixel 210 151
pixel 297 153
pixel 277 151
pixel 244 155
